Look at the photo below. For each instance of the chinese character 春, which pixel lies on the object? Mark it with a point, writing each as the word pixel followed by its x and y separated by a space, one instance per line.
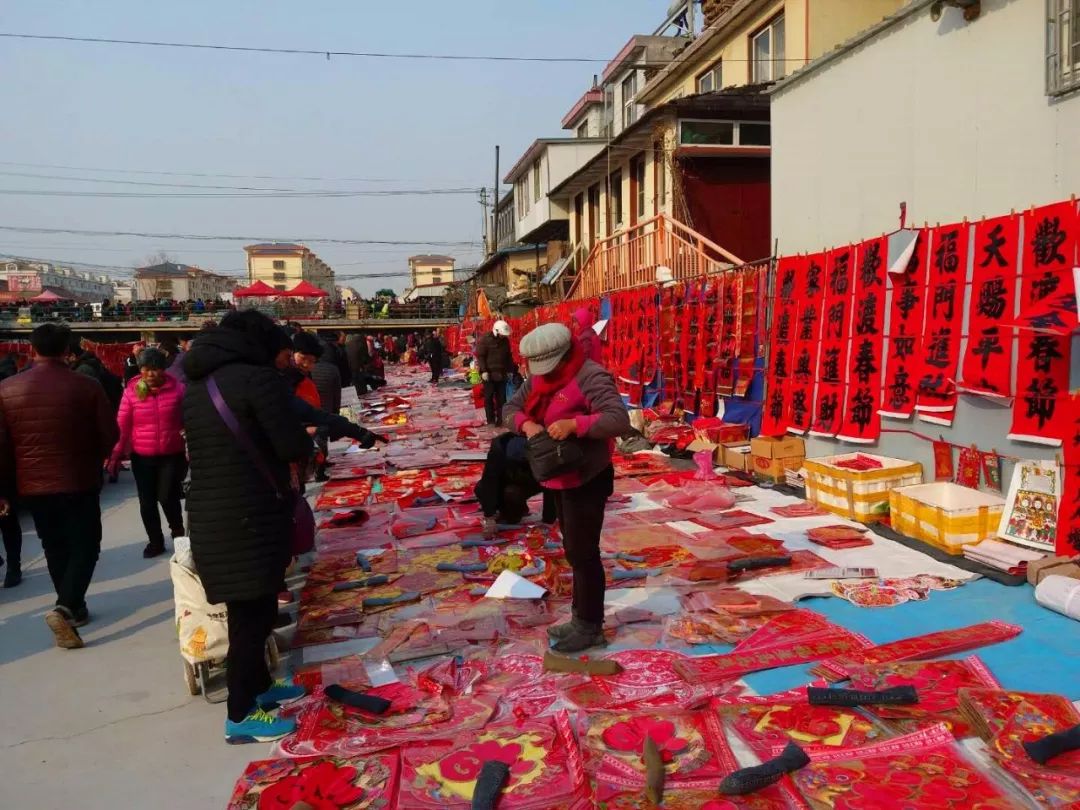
pixel 1044 350
pixel 865 367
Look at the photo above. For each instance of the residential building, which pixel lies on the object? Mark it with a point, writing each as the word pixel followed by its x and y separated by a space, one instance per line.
pixel 540 218
pixel 505 219
pixel 34 277
pixel 347 294
pixel 283 265
pixel 180 282
pixel 691 155
pixel 425 270
pixel 123 292
pixel 924 111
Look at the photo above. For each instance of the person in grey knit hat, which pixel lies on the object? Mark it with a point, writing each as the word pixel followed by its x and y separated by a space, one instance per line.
pixel 571 397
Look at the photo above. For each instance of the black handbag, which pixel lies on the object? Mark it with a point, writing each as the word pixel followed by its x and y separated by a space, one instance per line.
pixel 549 458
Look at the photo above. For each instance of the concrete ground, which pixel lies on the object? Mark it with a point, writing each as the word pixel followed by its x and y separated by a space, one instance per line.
pixel 112 725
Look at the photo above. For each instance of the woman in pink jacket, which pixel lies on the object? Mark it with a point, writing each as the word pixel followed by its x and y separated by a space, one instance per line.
pixel 151 431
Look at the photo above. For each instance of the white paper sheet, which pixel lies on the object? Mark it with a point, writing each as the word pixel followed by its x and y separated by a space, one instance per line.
pixel 510 586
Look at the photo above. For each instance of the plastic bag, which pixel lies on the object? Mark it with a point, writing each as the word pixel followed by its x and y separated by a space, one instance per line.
pixel 703 459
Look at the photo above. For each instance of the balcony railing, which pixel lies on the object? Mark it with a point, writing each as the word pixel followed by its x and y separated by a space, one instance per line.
pixel 633 257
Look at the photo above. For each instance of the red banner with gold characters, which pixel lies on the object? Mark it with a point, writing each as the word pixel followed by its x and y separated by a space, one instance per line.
pixel 832 360
pixel 906 309
pixel 987 364
pixel 1042 368
pixel 861 423
pixel 936 393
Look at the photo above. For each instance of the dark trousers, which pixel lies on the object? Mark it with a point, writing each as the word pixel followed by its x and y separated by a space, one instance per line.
pixel 160 480
pixel 250 623
pixel 494 399
pixel 581 519
pixel 506 465
pixel 12 532
pixel 69 527
pixel 360 383
pixel 436 369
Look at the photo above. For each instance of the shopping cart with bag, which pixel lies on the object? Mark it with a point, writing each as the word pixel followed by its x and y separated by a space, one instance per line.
pixel 202 628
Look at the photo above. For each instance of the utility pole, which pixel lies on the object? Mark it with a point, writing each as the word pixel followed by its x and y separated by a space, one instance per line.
pixel 495 206
pixel 484 217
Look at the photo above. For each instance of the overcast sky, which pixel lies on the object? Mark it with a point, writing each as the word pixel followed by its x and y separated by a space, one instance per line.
pixel 397 124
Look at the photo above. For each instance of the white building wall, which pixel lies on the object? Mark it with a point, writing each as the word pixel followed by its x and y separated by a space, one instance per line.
pixel 951 118
pixel 557 162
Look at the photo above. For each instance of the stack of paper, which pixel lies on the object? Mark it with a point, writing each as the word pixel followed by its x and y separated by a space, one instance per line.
pixel 1002 556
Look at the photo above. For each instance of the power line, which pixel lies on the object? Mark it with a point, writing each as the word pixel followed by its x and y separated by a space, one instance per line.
pixel 333 192
pixel 302 51
pixel 230 238
pixel 229 195
pixel 203 174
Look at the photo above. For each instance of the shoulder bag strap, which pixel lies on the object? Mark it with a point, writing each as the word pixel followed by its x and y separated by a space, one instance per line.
pixel 241 436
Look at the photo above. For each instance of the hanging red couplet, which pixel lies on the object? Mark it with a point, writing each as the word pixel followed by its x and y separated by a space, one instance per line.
pixel 987 363
pixel 943 461
pixel 1042 369
pixel 861 422
pixel 1068 537
pixel 936 392
pixel 777 412
pixel 906 310
pixel 832 362
pixel 810 289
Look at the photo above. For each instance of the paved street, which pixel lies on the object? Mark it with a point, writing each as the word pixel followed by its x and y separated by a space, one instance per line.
pixel 110 726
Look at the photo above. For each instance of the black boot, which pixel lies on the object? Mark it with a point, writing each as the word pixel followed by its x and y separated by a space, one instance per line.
pixel 154 549
pixel 581 636
pixel 13 575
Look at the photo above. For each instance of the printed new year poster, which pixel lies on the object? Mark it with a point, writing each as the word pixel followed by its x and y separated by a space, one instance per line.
pixel 1031 508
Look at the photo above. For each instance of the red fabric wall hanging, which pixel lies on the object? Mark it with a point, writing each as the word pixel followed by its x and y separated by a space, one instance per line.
pixel 776 417
pixel 810 294
pixel 987 366
pixel 1042 369
pixel 832 360
pixel 861 422
pixel 1068 537
pixel 906 311
pixel 936 393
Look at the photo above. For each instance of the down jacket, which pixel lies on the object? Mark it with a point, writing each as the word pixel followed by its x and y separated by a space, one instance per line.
pixel 240 527
pixel 152 426
pixel 57 429
pixel 495 357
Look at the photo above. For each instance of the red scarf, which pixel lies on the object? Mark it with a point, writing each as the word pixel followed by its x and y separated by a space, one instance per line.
pixel 546 386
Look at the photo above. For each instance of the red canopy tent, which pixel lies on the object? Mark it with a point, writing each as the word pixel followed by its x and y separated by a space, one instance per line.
pixel 257 290
pixel 46 297
pixel 305 289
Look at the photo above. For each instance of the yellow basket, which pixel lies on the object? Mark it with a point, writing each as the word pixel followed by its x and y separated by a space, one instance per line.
pixel 861 495
pixel 946 515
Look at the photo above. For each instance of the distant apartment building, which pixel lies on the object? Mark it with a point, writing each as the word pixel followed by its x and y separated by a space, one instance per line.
pixel 180 282
pixel 428 270
pixel 36 277
pixel 283 265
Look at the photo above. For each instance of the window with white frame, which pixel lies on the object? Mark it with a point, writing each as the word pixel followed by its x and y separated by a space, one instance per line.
pixel 767 52
pixel 521 196
pixel 712 79
pixel 629 91
pixel 536 181
pixel 1062 46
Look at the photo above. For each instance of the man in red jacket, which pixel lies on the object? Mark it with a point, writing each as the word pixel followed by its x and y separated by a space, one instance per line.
pixel 56 430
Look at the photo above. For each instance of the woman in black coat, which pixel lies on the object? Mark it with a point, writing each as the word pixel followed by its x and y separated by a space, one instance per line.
pixel 240 524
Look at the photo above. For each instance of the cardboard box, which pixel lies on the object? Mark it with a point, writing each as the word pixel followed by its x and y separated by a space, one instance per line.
pixel 1038 570
pixel 769 447
pixel 720 432
pixel 774 469
pixel 736 456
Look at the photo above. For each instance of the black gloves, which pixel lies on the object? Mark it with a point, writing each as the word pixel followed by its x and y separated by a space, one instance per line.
pixel 365 437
